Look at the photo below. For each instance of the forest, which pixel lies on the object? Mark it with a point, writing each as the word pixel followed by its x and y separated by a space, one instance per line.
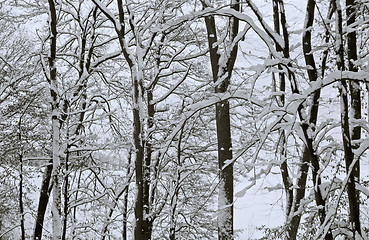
pixel 184 119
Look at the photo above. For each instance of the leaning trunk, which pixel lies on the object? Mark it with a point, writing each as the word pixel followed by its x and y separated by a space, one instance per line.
pixel 42 202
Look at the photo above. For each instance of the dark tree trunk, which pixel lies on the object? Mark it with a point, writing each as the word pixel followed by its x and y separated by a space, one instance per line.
pixel 148 221
pixel 355 90
pixel 125 197
pixel 309 155
pixel 21 208
pixel 223 126
pixel 139 150
pixel 42 202
pixel 353 196
pixel 287 182
pixel 137 98
pixel 312 74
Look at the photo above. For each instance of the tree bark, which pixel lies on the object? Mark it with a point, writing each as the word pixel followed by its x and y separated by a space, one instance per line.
pixel 20 196
pixel 42 202
pixel 287 181
pixel 137 103
pixel 309 155
pixel 148 218
pixel 66 198
pixel 313 75
pixel 125 198
pixel 139 150
pixel 347 136
pixel 223 126
pixel 355 90
pixel 56 170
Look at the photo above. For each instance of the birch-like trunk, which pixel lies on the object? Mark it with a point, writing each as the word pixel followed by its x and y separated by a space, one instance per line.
pixel 55 118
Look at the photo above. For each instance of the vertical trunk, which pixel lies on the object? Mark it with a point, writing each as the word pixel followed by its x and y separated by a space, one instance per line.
pixel 42 202
pixel 20 197
pixel 280 101
pixel 355 90
pixel 225 199
pixel 309 154
pixel 137 78
pixel 175 193
pixel 66 183
pixel 148 219
pixel 223 126
pixel 21 208
pixel 125 198
pixel 347 137
pixel 125 214
pixel 74 217
pixel 312 74
pixel 299 195
pixel 56 171
pixel 137 96
pixel 139 153
pixel 173 207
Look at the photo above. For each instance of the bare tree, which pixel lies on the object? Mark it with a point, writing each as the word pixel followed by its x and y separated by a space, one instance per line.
pixel 222 68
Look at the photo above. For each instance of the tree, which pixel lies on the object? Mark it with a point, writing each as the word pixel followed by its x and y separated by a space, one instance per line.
pixel 140 47
pixel 222 68
pixel 51 76
pixel 128 96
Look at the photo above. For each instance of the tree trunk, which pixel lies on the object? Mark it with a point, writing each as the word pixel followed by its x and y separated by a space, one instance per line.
pixel 313 75
pixel 20 196
pixel 56 171
pixel 287 182
pixel 355 90
pixel 223 126
pixel 137 103
pixel 139 151
pixel 66 198
pixel 148 219
pixel 309 155
pixel 21 208
pixel 347 136
pixel 42 202
pixel 125 198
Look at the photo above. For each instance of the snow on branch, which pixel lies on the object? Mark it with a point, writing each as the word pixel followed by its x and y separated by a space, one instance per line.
pixel 104 58
pixel 276 37
pixel 328 80
pixel 266 37
pixel 108 14
pixel 174 87
pixel 362 189
pixel 194 108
